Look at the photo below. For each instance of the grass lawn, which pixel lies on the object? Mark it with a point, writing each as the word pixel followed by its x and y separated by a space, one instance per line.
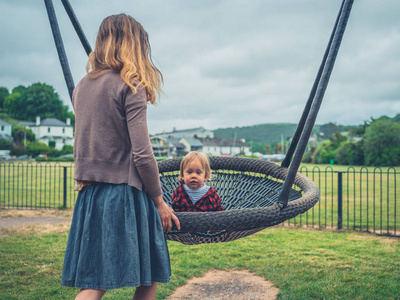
pixel 303 264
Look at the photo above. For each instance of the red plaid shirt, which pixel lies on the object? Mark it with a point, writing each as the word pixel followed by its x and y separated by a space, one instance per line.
pixel 209 202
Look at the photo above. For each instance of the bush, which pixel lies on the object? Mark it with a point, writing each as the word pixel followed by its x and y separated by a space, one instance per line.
pixel 308 157
pixel 67 149
pixel 35 149
pixel 350 154
pixel 5 144
pixel 53 152
pixel 323 154
pixel 382 143
pixel 18 150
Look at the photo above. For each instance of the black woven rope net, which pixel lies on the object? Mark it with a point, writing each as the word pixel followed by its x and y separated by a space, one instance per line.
pixel 249 189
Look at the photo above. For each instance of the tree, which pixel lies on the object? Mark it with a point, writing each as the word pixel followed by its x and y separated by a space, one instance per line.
pixel 257 147
pixel 22 134
pixel 322 154
pixel 350 153
pixel 328 129
pixel 382 143
pixel 3 94
pixel 358 131
pixel 397 118
pixel 308 157
pixel 41 100
pixel 12 104
pixel 267 149
pixel 326 151
pixel 38 99
pixel 20 89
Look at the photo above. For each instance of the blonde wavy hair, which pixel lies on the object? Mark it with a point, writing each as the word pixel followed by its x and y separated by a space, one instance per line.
pixel 122 45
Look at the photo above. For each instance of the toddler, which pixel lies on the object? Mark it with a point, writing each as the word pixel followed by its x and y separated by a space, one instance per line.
pixel 192 194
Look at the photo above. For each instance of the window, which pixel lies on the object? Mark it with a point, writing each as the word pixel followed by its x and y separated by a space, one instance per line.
pixel 48 129
pixel 2 128
pixel 63 130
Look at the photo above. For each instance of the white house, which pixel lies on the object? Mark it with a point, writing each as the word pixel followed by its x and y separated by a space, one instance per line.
pixel 217 146
pixel 52 131
pixel 5 130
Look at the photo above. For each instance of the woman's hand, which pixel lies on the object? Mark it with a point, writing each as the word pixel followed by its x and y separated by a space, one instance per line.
pixel 166 214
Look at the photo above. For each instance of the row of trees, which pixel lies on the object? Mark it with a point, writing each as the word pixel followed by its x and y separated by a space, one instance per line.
pixel 38 99
pixel 376 143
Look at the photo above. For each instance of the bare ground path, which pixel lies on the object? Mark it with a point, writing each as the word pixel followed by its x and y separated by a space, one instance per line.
pixel 215 285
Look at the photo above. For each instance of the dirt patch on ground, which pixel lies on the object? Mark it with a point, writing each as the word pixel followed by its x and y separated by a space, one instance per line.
pixel 14 213
pixel 233 285
pixel 32 221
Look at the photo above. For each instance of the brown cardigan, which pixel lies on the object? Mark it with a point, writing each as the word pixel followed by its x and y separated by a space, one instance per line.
pixel 112 143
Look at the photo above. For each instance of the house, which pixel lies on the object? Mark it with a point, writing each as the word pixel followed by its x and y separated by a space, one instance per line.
pixel 161 147
pixel 166 146
pixel 218 147
pixel 191 144
pixel 199 132
pixel 178 148
pixel 52 132
pixel 5 130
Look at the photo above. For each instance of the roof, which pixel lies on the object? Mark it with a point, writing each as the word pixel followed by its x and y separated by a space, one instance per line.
pixel 193 141
pixel 46 122
pixel 53 122
pixel 56 137
pixel 4 123
pixel 175 142
pixel 218 142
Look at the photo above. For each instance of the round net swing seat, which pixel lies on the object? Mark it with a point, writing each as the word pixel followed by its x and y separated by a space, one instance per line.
pixel 249 189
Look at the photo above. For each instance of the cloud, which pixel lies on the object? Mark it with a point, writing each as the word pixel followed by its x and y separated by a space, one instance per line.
pixel 226 63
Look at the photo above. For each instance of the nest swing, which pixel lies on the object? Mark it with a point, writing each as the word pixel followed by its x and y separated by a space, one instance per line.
pixel 256 193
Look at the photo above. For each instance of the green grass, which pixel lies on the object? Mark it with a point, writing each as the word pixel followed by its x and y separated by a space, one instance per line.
pixel 303 264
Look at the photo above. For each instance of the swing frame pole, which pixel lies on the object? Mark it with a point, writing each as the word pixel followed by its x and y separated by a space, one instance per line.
pixel 62 56
pixel 77 26
pixel 295 140
pixel 317 100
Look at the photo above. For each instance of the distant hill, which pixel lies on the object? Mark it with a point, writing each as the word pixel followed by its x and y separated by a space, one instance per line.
pixel 268 134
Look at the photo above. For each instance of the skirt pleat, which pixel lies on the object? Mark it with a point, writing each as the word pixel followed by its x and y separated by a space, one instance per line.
pixel 116 240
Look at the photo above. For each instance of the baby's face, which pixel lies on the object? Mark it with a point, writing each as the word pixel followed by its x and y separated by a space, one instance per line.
pixel 194 175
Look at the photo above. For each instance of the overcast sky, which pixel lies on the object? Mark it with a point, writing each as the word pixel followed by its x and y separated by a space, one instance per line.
pixel 225 63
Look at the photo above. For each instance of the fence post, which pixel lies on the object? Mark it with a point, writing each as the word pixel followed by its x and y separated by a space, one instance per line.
pixel 340 201
pixel 65 188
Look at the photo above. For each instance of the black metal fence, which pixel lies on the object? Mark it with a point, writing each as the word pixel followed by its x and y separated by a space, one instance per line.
pixel 33 185
pixel 353 198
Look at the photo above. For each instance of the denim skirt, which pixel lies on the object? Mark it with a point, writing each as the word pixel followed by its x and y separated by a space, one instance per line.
pixel 116 240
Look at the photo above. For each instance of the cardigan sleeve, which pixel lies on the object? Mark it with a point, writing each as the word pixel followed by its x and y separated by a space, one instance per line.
pixel 143 156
